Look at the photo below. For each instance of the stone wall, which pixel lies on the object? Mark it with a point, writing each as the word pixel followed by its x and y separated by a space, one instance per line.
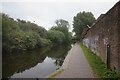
pixel 106 31
pixel 119 36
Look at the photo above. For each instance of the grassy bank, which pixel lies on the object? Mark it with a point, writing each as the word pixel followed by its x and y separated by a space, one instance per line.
pixel 97 65
pixel 55 74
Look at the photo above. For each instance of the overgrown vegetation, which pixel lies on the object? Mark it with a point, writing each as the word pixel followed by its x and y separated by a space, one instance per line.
pixel 97 65
pixel 24 35
pixel 63 27
pixel 81 21
pixel 57 37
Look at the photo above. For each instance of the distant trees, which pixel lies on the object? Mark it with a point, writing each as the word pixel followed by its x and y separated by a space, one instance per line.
pixel 24 35
pixel 63 27
pixel 80 21
pixel 57 37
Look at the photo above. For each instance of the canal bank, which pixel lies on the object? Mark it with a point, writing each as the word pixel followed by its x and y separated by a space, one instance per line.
pixel 37 63
pixel 75 65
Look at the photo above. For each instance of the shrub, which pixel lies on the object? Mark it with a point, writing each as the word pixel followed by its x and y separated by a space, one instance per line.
pixel 45 42
pixel 57 37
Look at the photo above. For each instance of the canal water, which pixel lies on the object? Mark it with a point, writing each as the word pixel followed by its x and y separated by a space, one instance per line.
pixel 33 64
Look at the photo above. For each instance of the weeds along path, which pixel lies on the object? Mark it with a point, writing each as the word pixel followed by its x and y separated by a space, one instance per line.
pixel 76 65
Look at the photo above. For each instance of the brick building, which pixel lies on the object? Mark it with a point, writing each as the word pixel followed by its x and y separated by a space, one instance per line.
pixel 103 37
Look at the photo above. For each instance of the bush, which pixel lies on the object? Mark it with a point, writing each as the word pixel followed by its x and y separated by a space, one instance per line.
pixel 22 35
pixel 32 39
pixel 14 42
pixel 45 42
pixel 57 37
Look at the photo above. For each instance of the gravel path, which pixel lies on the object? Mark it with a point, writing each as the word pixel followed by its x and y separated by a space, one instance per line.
pixel 76 65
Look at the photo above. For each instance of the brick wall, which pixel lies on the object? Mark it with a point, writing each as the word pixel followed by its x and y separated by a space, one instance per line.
pixel 119 36
pixel 106 30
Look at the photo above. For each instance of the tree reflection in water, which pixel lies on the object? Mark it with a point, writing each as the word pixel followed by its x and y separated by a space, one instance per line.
pixel 18 62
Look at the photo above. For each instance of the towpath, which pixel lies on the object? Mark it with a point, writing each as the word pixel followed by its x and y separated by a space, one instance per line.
pixel 76 65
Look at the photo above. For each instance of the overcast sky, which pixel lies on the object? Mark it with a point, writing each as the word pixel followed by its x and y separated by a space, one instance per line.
pixel 45 12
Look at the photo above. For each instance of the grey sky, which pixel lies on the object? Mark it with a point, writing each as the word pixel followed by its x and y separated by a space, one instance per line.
pixel 45 12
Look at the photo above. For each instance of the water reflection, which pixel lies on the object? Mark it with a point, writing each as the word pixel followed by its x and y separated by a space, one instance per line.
pixel 34 64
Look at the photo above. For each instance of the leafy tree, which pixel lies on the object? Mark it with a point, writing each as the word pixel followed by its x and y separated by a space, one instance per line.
pixel 22 35
pixel 62 23
pixel 57 37
pixel 28 26
pixel 63 26
pixel 80 21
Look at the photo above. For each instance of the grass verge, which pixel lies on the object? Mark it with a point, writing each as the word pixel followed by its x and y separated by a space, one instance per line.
pixel 97 65
pixel 57 73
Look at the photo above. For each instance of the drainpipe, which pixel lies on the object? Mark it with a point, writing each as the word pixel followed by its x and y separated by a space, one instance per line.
pixel 106 42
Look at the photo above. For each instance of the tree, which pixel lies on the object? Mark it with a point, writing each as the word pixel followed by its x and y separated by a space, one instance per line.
pixel 57 37
pixel 62 23
pixel 22 35
pixel 63 26
pixel 80 21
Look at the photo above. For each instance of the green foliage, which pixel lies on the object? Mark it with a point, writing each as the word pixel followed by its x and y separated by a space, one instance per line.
pixel 81 20
pixel 32 39
pixel 45 42
pixel 28 26
pixel 62 23
pixel 97 65
pixel 22 35
pixel 63 26
pixel 57 37
pixel 0 24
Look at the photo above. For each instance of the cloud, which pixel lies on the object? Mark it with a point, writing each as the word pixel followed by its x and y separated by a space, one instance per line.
pixel 45 13
pixel 59 0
